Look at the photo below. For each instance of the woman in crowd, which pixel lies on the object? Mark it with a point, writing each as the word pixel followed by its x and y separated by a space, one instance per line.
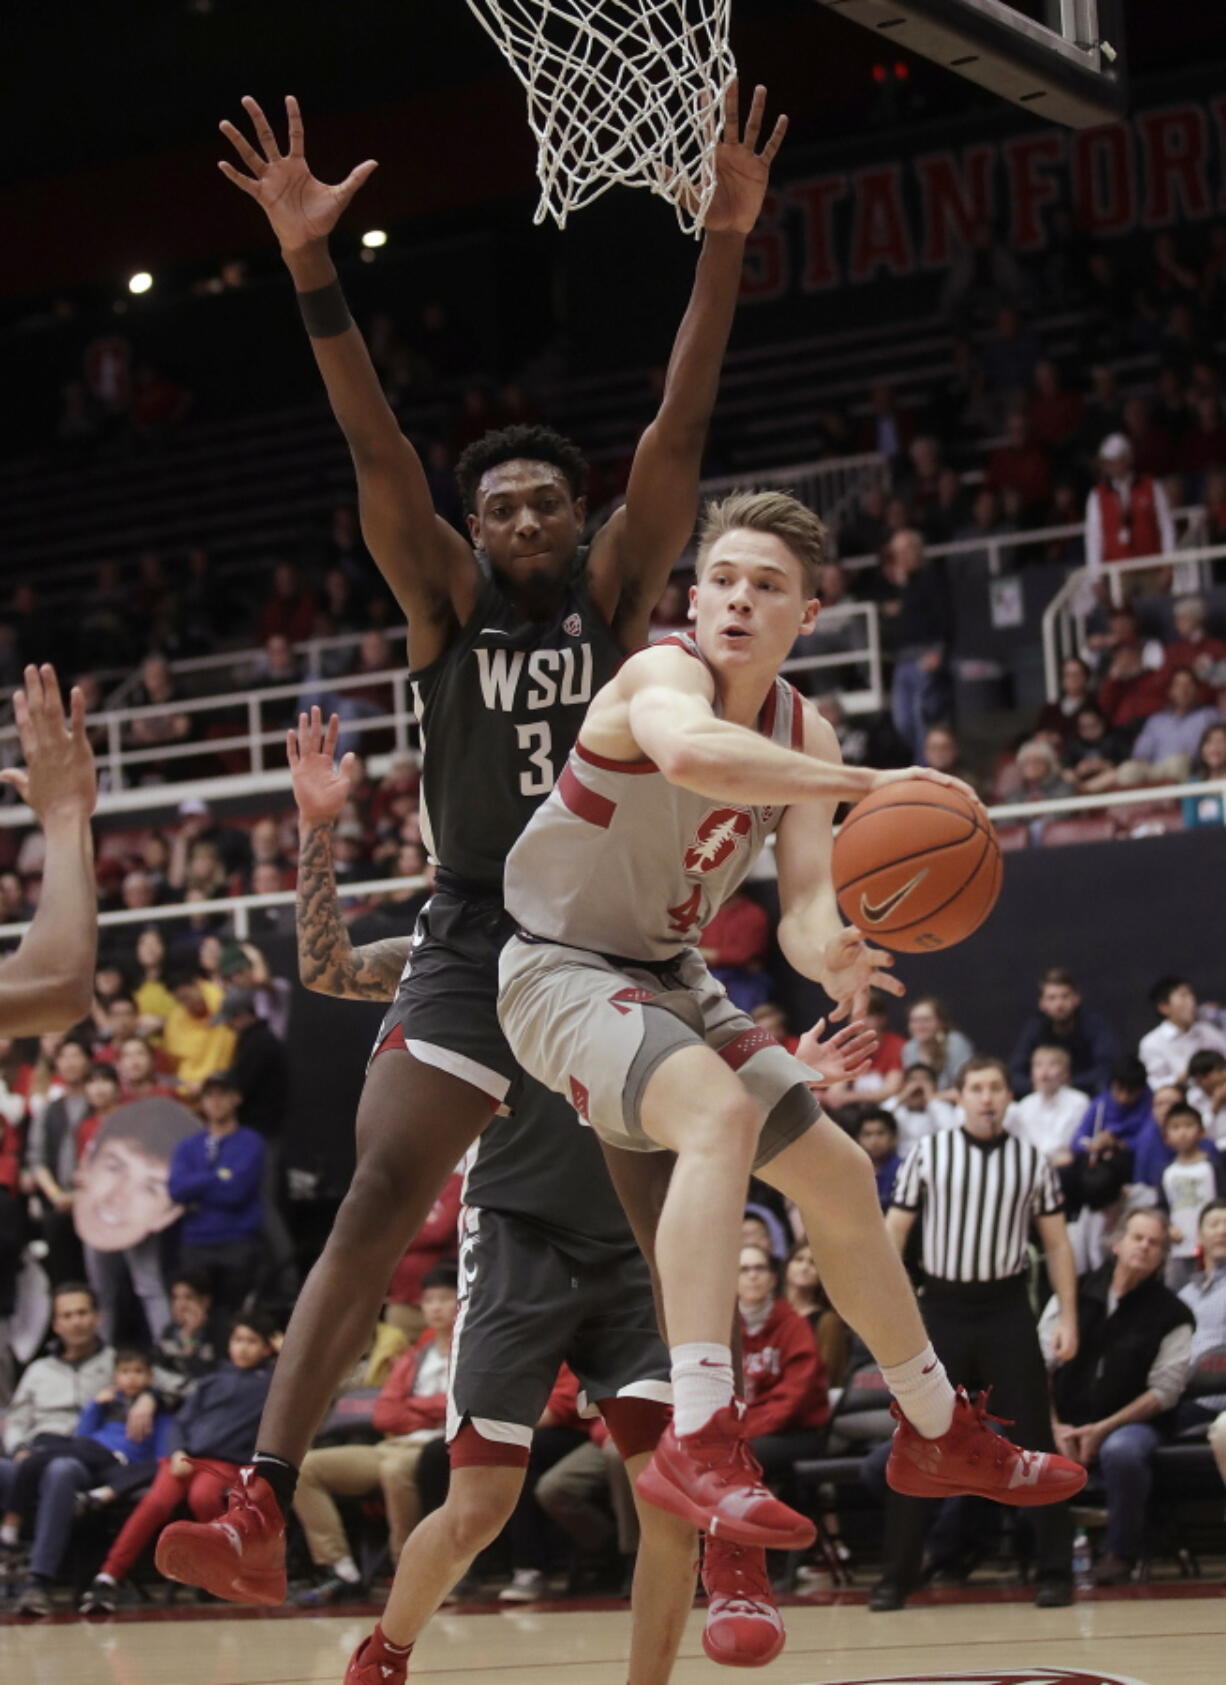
pixel 933 1041
pixel 786 1402
pixel 154 1000
pixel 1057 720
pixel 1210 762
pixel 803 1290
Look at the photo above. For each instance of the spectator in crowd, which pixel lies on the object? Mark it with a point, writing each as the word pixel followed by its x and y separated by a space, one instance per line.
pixel 786 1402
pixel 1128 1371
pixel 49 1400
pixel 1189 1182
pixel 434 1245
pixel 1093 752
pixel 51 1159
pixel 159 691
pixel 1151 1155
pixel 933 1041
pixel 735 945
pixel 189 1345
pixel 771 1017
pixel 102 1448
pixel 289 609
pixel 1192 646
pixel 577 1494
pixel 1207 1090
pixel 217 1175
pixel 216 1429
pixel 922 637
pixel 887 430
pixel 1062 1021
pixel 1210 763
pixel 411 1410
pixel 976 1191
pixel 877 1133
pixel 154 1001
pixel 1049 1115
pixel 1167 1050
pixel 1054 413
pixel 1127 515
pixel 137 1067
pixel 232 842
pixel 803 1290
pixel 916 1108
pixel 260 1072
pixel 1205 1297
pixel 1131 692
pixel 1168 739
pixel 1057 720
pixel 1033 775
pixel 1010 352
pixel 1020 465
pixel 193 1035
pixel 943 753
pixel 1114 1126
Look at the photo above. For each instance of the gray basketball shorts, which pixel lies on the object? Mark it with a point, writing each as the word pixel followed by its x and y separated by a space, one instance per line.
pixel 526 1307
pixel 594 1029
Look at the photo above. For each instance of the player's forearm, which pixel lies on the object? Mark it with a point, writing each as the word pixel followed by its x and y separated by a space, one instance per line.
pixel 358 400
pixel 1062 1273
pixel 48 984
pixel 328 962
pixel 732 764
pixel 806 931
pixel 692 381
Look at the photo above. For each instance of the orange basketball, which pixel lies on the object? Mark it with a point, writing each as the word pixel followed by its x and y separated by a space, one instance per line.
pixel 916 866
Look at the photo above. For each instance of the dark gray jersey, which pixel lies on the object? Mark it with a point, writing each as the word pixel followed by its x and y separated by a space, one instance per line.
pixel 500 710
pixel 545 1167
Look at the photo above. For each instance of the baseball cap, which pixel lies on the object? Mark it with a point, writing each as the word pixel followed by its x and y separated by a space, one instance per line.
pixel 1115 444
pixel 233 959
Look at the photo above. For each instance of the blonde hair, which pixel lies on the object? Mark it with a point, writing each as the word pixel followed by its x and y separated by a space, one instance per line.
pixel 774 512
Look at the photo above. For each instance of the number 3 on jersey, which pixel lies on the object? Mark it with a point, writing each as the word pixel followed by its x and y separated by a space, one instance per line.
pixel 537 742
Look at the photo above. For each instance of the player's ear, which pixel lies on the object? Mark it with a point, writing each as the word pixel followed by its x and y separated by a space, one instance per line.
pixel 691 613
pixel 809 618
pixel 474 528
pixel 581 510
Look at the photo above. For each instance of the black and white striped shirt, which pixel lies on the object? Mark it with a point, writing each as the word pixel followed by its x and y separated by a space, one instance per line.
pixel 977 1200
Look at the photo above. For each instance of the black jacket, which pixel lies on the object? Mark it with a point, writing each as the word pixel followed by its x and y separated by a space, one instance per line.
pixel 1091 1044
pixel 1115 1352
pixel 260 1074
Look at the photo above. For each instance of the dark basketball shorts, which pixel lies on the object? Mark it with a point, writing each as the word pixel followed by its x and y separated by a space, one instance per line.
pixel 594 1028
pixel 446 1009
pixel 527 1307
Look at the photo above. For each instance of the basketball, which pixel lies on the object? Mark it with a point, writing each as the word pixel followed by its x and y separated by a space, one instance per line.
pixel 917 866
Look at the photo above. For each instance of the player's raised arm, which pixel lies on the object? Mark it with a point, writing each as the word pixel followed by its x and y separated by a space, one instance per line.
pixel 328 962
pixel 429 567
pixel 49 982
pixel 633 554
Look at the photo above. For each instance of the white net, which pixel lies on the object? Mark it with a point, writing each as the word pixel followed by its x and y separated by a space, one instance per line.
pixel 627 91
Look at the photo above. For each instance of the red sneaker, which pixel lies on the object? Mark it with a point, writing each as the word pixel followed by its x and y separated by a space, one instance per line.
pixel 712 1480
pixel 364 1670
pixel 743 1627
pixel 240 1556
pixel 972 1461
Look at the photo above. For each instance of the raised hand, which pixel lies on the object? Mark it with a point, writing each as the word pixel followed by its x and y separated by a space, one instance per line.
pixel 850 968
pixel 300 208
pixel 842 1057
pixel 741 172
pixel 59 778
pixel 321 787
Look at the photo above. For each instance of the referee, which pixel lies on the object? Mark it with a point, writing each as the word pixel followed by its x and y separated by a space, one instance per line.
pixel 977 1190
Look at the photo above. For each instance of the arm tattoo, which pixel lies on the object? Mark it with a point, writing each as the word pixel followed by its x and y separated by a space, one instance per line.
pixel 328 962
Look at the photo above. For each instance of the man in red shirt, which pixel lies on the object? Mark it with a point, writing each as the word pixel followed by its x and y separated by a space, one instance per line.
pixel 1020 464
pixel 1127 515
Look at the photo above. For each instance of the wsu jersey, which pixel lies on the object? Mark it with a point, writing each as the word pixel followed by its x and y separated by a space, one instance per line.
pixel 621 862
pixel 499 711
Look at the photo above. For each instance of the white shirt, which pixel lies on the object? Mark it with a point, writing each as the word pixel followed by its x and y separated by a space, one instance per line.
pixel 913 1126
pixel 1188 1188
pixel 1215 1121
pixel 1049 1125
pixel 1167 1051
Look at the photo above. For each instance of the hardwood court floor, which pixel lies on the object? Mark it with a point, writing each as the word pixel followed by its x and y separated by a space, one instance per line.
pixel 1168 1635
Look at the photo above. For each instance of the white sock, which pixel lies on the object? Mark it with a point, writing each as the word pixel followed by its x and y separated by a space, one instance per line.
pixel 8 1534
pixel 702 1384
pixel 923 1389
pixel 106 1579
pixel 347 1569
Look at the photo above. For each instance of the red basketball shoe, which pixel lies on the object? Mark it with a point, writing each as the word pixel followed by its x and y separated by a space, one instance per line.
pixel 240 1556
pixel 363 1669
pixel 972 1461
pixel 743 1628
pixel 712 1480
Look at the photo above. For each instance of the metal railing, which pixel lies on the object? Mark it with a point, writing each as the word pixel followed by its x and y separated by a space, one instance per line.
pixel 826 486
pixel 1065 617
pixel 121 757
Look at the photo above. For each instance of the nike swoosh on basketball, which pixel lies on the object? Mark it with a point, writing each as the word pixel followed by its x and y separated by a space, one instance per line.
pixel 874 915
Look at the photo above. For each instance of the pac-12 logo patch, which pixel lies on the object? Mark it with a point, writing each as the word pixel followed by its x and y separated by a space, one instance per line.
pixel 572 625
pixel 720 834
pixel 1003 1676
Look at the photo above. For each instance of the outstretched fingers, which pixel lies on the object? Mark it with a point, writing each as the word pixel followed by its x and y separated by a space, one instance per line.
pixel 263 128
pixel 245 150
pixel 331 736
pixel 360 173
pixel 294 119
pixel 732 111
pixel 753 123
pixel 772 146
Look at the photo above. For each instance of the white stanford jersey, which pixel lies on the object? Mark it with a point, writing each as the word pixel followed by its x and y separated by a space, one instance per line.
pixel 620 861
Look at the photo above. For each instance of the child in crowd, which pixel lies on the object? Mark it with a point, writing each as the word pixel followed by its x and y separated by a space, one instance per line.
pixel 916 1110
pixel 1049 1115
pixel 877 1133
pixel 216 1428
pixel 101 1444
pixel 1188 1184
pixel 190 1344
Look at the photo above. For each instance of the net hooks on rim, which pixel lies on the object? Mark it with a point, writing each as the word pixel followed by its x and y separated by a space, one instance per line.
pixel 625 92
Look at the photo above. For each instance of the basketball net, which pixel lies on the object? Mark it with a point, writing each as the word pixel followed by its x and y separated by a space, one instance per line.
pixel 619 91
